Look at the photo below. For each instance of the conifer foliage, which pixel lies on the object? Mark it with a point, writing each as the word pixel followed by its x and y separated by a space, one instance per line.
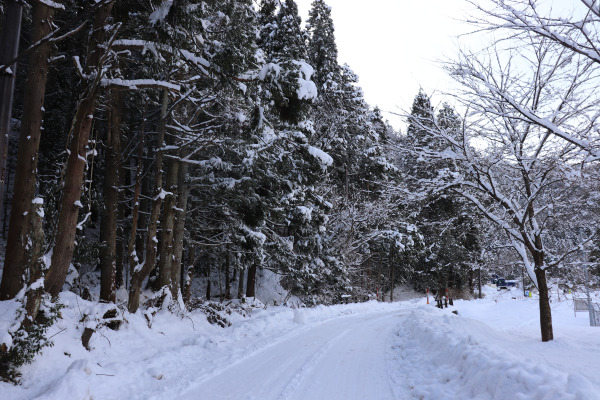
pixel 193 145
pixel 446 221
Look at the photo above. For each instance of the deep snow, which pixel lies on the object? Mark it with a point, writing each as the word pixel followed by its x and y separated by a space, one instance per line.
pixel 403 350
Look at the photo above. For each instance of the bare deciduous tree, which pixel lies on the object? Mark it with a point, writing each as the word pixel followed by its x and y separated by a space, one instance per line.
pixel 520 176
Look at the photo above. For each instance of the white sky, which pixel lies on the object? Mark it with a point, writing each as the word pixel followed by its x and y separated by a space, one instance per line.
pixel 393 46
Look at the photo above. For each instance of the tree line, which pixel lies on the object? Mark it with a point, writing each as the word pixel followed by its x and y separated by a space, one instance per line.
pixel 173 146
pixel 180 146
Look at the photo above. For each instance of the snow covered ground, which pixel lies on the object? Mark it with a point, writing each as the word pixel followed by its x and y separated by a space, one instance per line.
pixel 403 350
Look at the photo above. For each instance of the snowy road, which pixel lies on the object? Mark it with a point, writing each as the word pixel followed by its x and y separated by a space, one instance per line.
pixel 344 358
pixel 491 350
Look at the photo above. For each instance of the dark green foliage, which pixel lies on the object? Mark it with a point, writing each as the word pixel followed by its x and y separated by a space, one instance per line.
pixel 322 49
pixel 448 222
pixel 281 37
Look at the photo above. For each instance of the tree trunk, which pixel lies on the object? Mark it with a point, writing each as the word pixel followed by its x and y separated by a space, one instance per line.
pixel 240 293
pixel 132 254
pixel 251 285
pixel 189 270
pixel 29 143
pixel 69 210
pixel 179 228
pixel 544 304
pixel 144 209
pixel 108 227
pixel 227 275
pixel 123 212
pixel 35 264
pixel 166 250
pixel 9 48
pixel 142 271
pixel 380 283
pixel 120 249
pixel 392 283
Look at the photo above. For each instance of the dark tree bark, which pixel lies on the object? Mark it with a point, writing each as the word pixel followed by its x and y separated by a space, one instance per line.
pixel 544 303
pixel 141 272
pixel 123 211
pixel 29 143
pixel 120 259
pixel 143 208
pixel 227 275
pixel 35 265
pixel 132 255
pixel 166 250
pixel 76 163
pixel 108 227
pixel 9 47
pixel 251 285
pixel 189 270
pixel 240 293
pixel 179 228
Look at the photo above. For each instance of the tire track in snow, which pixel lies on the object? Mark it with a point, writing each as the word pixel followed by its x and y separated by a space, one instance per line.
pixel 342 358
pixel 297 379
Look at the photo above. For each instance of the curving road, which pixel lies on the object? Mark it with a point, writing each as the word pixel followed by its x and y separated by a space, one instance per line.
pixel 344 358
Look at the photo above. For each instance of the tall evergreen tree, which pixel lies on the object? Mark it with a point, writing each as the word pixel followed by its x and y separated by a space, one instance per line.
pixel 447 221
pixel 322 49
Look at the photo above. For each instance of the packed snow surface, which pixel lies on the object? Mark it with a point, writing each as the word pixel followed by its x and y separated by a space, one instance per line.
pixel 402 350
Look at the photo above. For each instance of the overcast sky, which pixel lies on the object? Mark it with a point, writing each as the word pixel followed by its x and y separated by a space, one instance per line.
pixel 393 46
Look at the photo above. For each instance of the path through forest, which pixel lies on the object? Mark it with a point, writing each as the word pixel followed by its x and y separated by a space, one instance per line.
pixel 344 358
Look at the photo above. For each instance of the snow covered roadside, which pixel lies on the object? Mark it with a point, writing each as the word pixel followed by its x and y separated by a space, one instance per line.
pixel 492 350
pixel 138 362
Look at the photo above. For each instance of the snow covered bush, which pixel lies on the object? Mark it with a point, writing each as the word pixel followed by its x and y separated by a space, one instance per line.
pixel 24 338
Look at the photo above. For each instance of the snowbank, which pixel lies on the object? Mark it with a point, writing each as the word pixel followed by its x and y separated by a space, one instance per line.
pixel 490 350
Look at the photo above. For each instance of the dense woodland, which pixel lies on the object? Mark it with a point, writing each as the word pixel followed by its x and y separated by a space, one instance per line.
pixel 178 148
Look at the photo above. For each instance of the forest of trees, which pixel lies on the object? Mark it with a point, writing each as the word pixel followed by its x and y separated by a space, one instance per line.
pixel 180 147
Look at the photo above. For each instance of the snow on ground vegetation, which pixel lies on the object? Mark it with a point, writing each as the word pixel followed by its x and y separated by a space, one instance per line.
pixel 490 350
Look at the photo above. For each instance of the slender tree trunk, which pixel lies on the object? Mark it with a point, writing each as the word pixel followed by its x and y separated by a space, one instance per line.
pixel 123 212
pixel 29 143
pixel 380 283
pixel 369 283
pixel 69 210
pixel 108 227
pixel 251 285
pixel 76 163
pixel 189 270
pixel 9 48
pixel 35 264
pixel 120 249
pixel 132 255
pixel 179 228
pixel 392 283
pixel 240 293
pixel 144 210
pixel 227 273
pixel 166 250
pixel 544 303
pixel 142 271
pixel 5 209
